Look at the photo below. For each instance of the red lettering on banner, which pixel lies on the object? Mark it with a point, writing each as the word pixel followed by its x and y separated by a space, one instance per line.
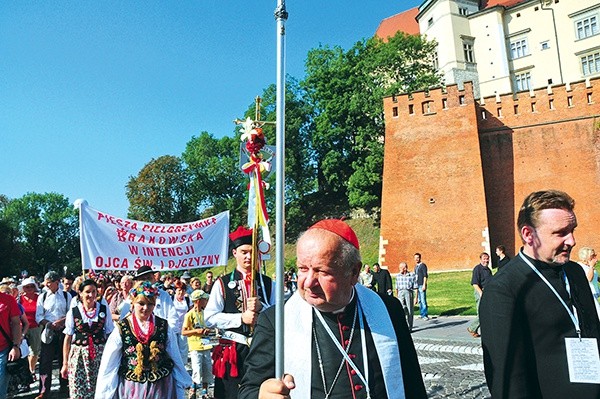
pixel 128 224
pixel 109 262
pixel 134 250
pixel 175 251
pixel 180 228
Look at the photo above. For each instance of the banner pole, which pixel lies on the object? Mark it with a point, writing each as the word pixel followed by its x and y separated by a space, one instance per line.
pixel 80 203
pixel 281 16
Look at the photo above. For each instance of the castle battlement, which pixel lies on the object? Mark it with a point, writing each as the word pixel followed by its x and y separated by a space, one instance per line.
pixel 543 105
pixel 428 102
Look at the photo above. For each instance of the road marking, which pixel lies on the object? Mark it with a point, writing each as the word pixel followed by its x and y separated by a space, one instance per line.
pixel 459 349
pixel 431 360
pixel 470 367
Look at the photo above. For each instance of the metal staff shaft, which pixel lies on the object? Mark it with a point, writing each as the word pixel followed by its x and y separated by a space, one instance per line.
pixel 281 16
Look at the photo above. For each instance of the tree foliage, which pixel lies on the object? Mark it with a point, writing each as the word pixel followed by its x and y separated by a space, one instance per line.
pixel 39 232
pixel 160 192
pixel 217 183
pixel 346 89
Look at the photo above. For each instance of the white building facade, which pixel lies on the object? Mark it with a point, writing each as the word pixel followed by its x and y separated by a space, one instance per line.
pixel 505 46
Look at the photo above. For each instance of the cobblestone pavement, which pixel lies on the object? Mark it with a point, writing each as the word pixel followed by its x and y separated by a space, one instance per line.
pixel 451 360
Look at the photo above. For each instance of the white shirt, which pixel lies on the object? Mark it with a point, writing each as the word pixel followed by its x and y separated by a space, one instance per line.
pixel 181 308
pixel 70 321
pixel 52 306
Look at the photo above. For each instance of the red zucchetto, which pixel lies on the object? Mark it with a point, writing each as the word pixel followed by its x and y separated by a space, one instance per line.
pixel 338 227
pixel 241 236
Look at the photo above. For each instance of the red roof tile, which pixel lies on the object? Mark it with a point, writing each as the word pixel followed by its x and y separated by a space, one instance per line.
pixel 505 3
pixel 404 21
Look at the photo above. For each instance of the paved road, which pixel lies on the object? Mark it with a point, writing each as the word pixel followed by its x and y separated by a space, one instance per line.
pixel 451 360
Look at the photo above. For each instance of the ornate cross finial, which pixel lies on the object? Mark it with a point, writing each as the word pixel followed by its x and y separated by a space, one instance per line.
pixel 256 122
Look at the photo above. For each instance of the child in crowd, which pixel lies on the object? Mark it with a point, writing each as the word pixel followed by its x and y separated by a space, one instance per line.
pixel 199 346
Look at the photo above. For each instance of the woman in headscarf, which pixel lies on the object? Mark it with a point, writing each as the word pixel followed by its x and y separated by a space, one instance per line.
pixel 141 358
pixel 87 327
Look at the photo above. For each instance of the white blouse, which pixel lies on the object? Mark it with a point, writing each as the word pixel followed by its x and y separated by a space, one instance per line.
pixel 108 376
pixel 109 326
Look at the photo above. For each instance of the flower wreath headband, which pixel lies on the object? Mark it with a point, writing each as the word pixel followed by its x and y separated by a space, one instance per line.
pixel 146 289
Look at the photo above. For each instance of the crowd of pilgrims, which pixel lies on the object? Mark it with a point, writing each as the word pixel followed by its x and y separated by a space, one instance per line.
pixel 144 357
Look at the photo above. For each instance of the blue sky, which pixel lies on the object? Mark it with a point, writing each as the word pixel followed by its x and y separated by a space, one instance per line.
pixel 91 91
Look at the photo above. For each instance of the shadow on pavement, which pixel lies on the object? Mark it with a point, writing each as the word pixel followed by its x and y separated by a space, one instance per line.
pixel 432 324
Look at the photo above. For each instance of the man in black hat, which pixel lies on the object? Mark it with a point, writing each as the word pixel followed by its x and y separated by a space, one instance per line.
pixel 164 304
pixel 232 309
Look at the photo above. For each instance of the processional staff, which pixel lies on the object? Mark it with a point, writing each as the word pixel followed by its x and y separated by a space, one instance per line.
pixel 255 167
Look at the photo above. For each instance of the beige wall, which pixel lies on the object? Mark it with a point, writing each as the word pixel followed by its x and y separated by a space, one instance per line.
pixel 495 28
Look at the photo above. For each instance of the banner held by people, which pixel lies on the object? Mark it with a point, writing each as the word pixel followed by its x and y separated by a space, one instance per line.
pixel 112 243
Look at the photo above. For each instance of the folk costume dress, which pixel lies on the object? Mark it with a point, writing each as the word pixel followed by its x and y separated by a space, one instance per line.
pixel 89 331
pixel 224 310
pixel 142 364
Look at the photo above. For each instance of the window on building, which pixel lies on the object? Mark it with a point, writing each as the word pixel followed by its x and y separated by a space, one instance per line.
pixel 430 21
pixel 463 11
pixel 519 49
pixel 468 51
pixel 516 109
pixel 444 103
pixel 522 81
pixel 545 45
pixel 589 98
pixel 395 112
pixel 427 107
pixel 587 27
pixel 436 60
pixel 570 101
pixel 461 100
pixel 411 109
pixel 551 103
pixel 590 64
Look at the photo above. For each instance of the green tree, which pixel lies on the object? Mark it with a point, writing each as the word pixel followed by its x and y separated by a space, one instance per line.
pixel 161 192
pixel 345 88
pixel 216 180
pixel 43 231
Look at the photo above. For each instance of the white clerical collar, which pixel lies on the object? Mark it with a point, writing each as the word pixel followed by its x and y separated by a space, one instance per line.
pixel 344 308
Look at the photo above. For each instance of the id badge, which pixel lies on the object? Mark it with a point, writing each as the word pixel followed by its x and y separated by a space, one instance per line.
pixel 583 360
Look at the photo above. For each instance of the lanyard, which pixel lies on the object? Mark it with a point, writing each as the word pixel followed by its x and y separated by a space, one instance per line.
pixel 572 314
pixel 343 352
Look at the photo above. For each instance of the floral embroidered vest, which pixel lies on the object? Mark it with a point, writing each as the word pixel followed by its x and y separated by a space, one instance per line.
pixel 83 330
pixel 156 363
pixel 235 296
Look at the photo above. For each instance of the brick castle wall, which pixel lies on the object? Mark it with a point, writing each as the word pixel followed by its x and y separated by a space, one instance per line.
pixel 454 166
pixel 433 198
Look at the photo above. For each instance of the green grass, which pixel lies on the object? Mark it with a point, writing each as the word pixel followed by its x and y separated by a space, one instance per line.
pixel 450 294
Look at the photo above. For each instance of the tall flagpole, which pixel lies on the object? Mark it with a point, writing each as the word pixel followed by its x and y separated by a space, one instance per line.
pixel 281 16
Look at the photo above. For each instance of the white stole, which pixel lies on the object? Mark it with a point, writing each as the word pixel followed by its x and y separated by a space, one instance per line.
pixel 298 342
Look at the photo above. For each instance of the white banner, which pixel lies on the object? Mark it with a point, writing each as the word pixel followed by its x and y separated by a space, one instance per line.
pixel 112 243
